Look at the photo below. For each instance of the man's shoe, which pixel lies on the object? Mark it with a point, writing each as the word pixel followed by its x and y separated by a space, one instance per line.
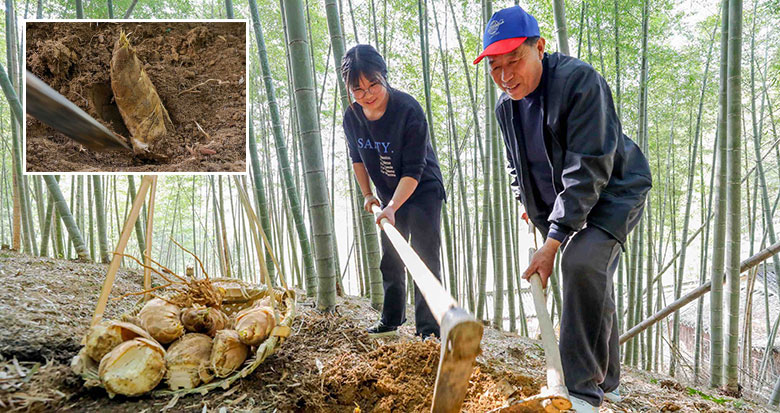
pixel 379 329
pixel 613 396
pixel 581 406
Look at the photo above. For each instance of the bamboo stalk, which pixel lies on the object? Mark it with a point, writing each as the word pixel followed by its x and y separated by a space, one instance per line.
pixel 147 253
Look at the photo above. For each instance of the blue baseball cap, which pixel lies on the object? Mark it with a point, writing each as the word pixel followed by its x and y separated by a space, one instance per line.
pixel 506 30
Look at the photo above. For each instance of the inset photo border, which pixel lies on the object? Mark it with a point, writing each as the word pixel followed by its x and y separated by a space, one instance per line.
pixel 135 96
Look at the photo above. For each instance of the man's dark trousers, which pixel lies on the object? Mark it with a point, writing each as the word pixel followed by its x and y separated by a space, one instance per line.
pixel 419 217
pixel 589 336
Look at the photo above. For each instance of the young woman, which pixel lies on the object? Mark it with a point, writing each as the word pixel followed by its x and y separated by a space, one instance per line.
pixel 389 144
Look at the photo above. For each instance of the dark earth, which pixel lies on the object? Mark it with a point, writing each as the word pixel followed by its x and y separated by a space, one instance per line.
pixel 198 70
pixel 327 365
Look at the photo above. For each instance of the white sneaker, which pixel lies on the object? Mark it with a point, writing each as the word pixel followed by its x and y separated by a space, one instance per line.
pixel 613 396
pixel 581 406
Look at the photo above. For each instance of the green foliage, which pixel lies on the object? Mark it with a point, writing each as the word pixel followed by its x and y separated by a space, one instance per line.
pixel 719 400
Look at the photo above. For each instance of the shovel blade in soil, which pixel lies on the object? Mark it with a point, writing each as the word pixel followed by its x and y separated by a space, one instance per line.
pixel 461 335
pixel 53 109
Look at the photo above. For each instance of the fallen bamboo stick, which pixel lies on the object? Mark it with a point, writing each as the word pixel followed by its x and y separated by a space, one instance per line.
pixel 116 259
pixel 696 293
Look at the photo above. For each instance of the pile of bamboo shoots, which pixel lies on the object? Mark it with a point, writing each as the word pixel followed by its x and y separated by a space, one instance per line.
pixel 185 346
pixel 196 336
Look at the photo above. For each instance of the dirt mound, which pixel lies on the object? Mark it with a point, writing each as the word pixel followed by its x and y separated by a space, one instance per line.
pixel 388 378
pixel 396 376
pixel 198 70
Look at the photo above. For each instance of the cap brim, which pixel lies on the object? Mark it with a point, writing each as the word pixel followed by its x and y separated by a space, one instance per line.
pixel 501 47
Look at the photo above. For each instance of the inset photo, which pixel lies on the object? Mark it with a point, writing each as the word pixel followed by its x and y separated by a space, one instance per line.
pixel 140 96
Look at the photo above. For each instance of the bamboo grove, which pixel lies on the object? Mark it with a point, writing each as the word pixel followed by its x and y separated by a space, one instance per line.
pixel 694 83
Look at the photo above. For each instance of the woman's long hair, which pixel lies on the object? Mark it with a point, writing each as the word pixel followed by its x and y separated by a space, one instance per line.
pixel 363 60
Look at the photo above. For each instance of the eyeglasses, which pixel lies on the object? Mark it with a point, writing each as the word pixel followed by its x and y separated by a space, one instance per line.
pixel 373 89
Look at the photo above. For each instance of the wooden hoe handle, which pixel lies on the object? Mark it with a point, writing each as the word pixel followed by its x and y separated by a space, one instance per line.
pixel 438 299
pixel 555 382
pixel 461 334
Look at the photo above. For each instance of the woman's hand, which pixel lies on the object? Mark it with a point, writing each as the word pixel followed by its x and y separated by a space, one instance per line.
pixel 369 200
pixel 389 213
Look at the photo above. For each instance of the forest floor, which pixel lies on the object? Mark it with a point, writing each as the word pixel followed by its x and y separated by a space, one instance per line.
pixel 328 365
pixel 198 70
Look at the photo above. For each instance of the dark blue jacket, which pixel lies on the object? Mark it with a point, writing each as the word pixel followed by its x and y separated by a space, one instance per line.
pixel 600 176
pixel 394 146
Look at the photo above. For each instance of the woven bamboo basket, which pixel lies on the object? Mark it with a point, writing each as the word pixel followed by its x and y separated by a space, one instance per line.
pixel 238 295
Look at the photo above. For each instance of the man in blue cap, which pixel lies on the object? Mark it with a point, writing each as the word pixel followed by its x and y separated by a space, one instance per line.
pixel 583 184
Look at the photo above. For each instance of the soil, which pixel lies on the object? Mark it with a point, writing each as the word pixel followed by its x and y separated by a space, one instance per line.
pixel 327 365
pixel 198 70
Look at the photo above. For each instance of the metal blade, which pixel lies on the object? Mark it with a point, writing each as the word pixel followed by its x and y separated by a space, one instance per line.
pixel 461 335
pixel 53 109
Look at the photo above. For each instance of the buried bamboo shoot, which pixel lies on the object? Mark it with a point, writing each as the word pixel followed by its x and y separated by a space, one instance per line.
pixel 137 99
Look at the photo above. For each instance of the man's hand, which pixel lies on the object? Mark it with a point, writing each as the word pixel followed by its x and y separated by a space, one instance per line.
pixel 389 213
pixel 524 217
pixel 542 261
pixel 369 200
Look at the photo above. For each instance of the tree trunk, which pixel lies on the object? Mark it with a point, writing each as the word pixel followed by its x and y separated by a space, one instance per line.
pixel 262 203
pixel 311 146
pixel 229 9
pixel 130 10
pixel 733 214
pixel 8 82
pixel 649 293
pixel 283 158
pixel 368 236
pixel 719 232
pixel 139 232
pixel 100 211
pixel 559 12
pixel 67 218
pixel 581 28
pixel 775 398
pixel 10 95
pixel 496 222
pixel 766 207
pixel 483 250
pixel 686 222
pixel 90 201
pixel 705 213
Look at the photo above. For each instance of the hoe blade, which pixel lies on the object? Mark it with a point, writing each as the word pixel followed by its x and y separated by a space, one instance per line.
pixel 53 109
pixel 461 335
